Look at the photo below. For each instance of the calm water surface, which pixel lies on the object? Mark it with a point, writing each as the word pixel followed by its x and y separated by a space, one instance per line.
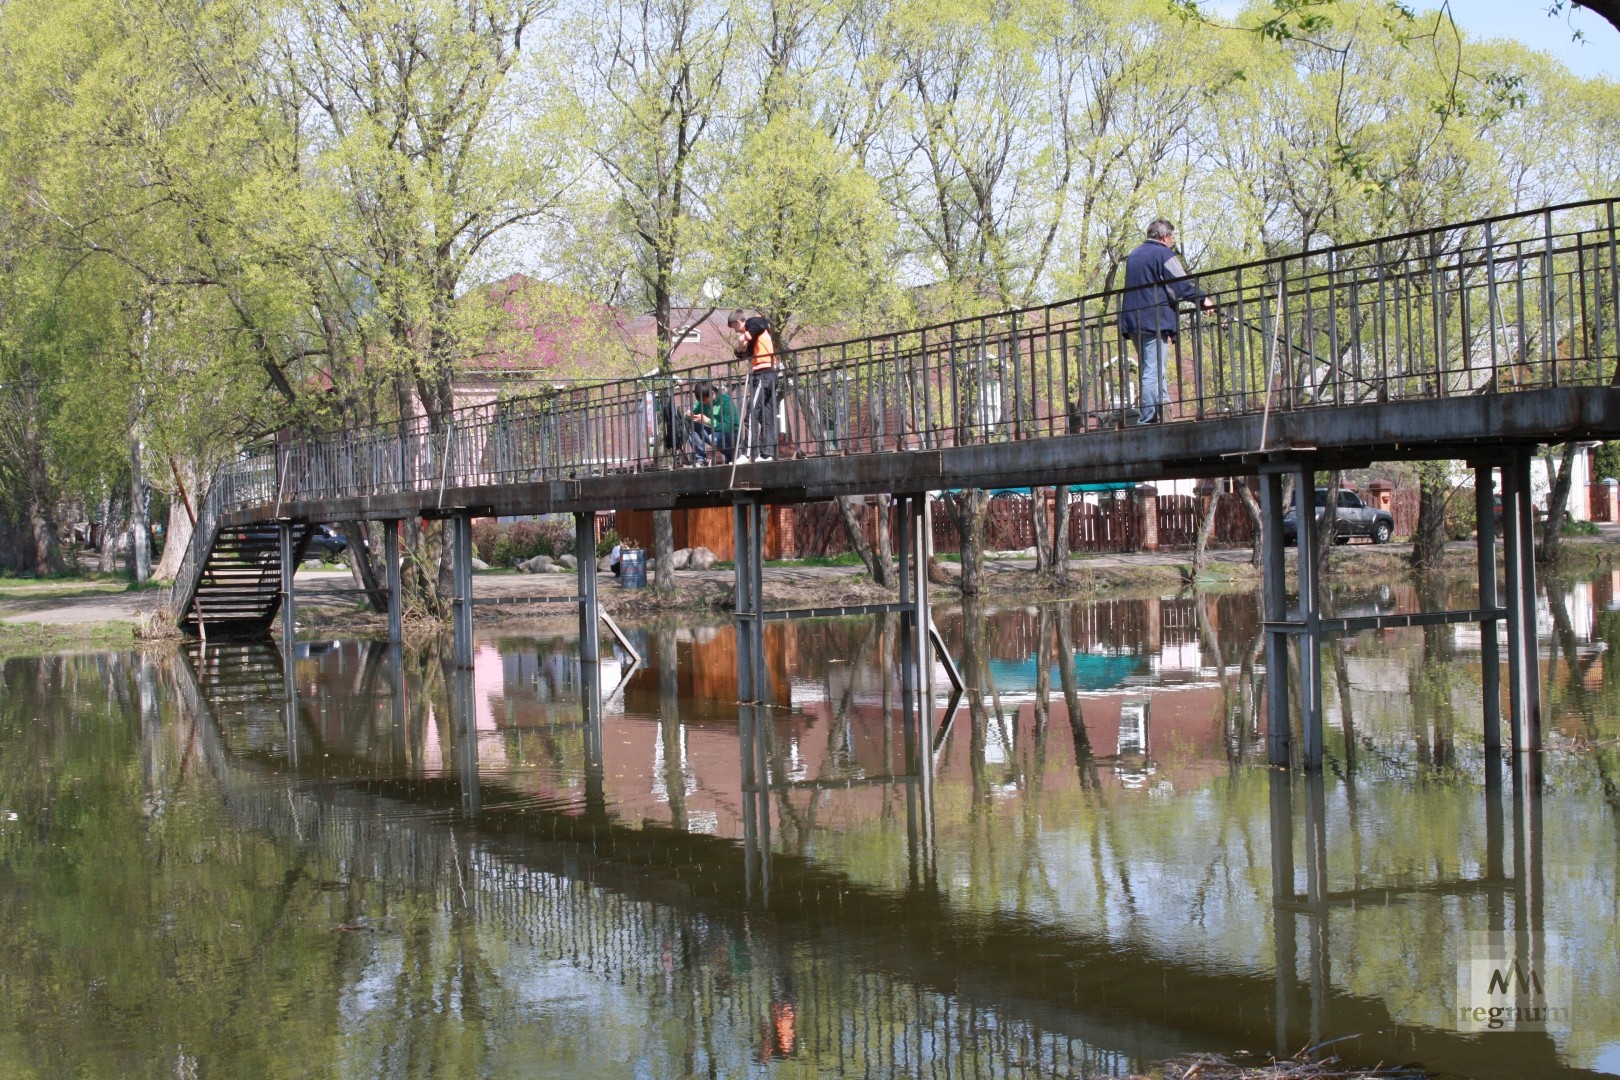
pixel 366 864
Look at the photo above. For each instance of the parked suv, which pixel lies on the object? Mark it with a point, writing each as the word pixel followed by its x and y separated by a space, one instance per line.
pixel 326 543
pixel 1352 517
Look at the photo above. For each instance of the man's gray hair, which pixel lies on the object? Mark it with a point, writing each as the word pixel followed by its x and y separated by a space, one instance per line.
pixel 1160 228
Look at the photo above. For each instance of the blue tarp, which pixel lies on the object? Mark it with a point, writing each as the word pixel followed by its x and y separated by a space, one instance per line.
pixel 1072 487
pixel 1092 671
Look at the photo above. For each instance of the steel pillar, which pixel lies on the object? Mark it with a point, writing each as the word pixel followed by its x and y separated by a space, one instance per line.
pixel 396 703
pixel 1316 887
pixel 466 726
pixel 748 524
pixel 748 531
pixel 590 692
pixel 1310 608
pixel 1489 649
pixel 289 699
pixel 461 557
pixel 1519 549
pixel 1284 930
pixel 922 619
pixel 1279 733
pixel 391 561
pixel 585 570
pixel 754 747
pixel 284 534
pixel 396 621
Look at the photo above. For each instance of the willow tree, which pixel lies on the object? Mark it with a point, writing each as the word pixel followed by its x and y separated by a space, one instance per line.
pixel 649 85
pixel 141 166
pixel 427 138
pixel 801 229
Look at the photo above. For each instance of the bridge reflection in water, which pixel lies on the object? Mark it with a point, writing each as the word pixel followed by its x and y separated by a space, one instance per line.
pixel 1477 340
pixel 1064 880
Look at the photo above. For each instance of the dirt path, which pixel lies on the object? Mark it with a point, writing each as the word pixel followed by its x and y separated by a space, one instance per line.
pixel 329 595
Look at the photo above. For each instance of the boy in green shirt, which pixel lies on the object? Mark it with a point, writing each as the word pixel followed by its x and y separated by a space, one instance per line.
pixel 714 425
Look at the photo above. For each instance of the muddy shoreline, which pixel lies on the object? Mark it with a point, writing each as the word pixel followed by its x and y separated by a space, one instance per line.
pixel 47 616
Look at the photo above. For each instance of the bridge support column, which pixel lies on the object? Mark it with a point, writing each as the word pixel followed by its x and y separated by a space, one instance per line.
pixel 585 571
pixel 748 524
pixel 466 726
pixel 396 619
pixel 1310 610
pixel 1279 732
pixel 748 534
pixel 1284 930
pixel 284 535
pixel 590 692
pixel 1305 628
pixel 1519 549
pixel 1489 650
pixel 923 639
pixel 461 555
pixel 911 661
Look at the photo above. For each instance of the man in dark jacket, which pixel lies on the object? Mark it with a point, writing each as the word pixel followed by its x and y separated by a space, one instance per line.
pixel 1155 281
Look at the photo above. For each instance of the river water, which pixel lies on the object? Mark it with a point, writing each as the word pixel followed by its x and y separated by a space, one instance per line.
pixel 367 864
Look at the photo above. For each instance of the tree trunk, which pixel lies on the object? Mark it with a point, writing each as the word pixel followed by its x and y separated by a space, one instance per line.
pixel 1429 538
pixel 425 554
pixel 967 514
pixel 1327 530
pixel 1206 526
pixel 876 567
pixel 1253 507
pixel 112 528
pixel 140 551
pixel 176 539
pixel 885 542
pixel 358 536
pixel 46 555
pixel 1059 562
pixel 1552 529
pixel 1037 510
pixel 663 552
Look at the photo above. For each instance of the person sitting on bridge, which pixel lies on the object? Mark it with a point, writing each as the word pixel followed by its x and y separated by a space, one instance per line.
pixel 1155 281
pixel 756 343
pixel 714 425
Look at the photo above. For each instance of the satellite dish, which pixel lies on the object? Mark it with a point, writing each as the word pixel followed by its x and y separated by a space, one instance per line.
pixel 711 290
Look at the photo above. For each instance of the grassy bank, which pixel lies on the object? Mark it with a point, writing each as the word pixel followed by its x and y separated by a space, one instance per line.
pixel 38 639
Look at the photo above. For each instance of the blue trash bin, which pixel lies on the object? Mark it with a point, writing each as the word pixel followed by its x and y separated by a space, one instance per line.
pixel 633 568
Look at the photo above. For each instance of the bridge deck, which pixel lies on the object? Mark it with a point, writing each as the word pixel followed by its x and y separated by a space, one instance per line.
pixel 1350 436
pixel 1428 344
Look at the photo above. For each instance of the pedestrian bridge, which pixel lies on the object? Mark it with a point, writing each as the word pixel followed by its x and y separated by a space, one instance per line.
pixel 1478 340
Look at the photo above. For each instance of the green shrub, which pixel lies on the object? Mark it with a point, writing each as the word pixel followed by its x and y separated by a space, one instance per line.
pixel 604 546
pixel 1460 516
pixel 502 544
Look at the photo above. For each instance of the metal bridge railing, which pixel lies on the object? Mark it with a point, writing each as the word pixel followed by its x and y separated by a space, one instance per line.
pixel 1491 306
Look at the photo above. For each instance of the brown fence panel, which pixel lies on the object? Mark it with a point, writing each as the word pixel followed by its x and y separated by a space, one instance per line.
pixel 1233 525
pixel 1597 501
pixel 1403 504
pixel 818 529
pixel 1008 525
pixel 1109 524
pixel 1178 521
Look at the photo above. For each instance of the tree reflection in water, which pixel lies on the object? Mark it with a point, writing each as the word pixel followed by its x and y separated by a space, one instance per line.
pixel 524 879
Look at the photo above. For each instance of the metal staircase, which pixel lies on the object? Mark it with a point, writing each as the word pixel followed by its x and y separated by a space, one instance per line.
pixel 230 581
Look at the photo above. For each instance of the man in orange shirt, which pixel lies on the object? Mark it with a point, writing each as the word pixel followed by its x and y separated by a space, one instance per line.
pixel 756 343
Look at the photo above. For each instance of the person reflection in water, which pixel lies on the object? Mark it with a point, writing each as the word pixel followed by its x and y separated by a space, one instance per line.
pixel 779 1035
